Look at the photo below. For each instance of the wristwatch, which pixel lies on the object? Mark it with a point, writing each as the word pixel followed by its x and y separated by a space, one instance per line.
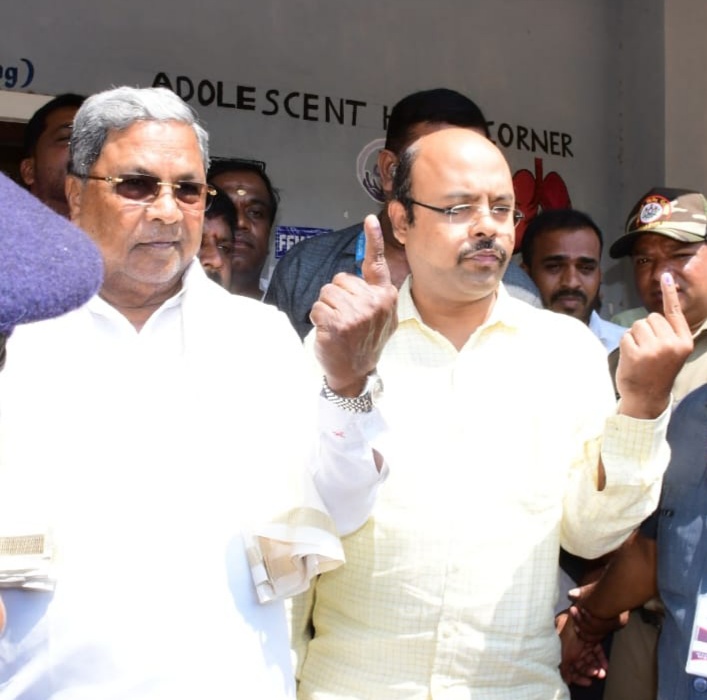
pixel 363 403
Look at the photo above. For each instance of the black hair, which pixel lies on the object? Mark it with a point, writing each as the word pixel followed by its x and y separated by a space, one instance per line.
pixel 437 106
pixel 402 180
pixel 222 207
pixel 38 122
pixel 229 165
pixel 551 220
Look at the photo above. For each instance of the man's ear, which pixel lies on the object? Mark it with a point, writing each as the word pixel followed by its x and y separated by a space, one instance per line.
pixel 27 171
pixel 387 163
pixel 73 188
pixel 398 220
pixel 525 268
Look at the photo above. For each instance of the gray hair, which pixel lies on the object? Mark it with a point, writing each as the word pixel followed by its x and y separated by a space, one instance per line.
pixel 118 109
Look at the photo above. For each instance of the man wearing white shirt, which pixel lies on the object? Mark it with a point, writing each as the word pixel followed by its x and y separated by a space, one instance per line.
pixel 158 507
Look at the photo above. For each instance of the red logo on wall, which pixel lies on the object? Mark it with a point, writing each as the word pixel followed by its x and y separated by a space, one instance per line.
pixel 535 193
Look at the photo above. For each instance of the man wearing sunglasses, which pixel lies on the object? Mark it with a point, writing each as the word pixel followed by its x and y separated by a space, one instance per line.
pixel 165 547
pixel 503 442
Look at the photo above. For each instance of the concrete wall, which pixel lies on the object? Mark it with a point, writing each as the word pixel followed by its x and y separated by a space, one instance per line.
pixel 619 82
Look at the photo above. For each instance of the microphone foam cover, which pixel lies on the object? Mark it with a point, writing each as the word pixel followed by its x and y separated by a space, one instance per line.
pixel 48 266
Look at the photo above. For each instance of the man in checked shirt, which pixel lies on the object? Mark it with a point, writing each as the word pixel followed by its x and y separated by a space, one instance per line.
pixel 503 442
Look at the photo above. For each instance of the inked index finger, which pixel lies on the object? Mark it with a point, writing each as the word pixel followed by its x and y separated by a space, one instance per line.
pixel 671 305
pixel 375 267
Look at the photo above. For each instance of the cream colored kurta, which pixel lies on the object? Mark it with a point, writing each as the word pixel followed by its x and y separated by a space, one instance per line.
pixel 449 588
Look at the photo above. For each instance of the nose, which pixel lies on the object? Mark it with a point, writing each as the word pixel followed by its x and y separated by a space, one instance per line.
pixel 485 227
pixel 486 224
pixel 483 224
pixel 570 278
pixel 242 220
pixel 165 207
pixel 209 255
pixel 661 266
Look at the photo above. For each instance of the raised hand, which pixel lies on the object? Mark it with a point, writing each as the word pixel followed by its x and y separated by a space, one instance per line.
pixel 354 317
pixel 653 351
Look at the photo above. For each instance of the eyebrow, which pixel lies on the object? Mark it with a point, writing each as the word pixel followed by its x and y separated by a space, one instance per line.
pixel 581 258
pixel 473 198
pixel 69 126
pixel 672 246
pixel 257 200
pixel 188 176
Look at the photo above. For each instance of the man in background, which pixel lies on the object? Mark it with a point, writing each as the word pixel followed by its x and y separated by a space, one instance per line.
pixel 666 231
pixel 46 150
pixel 256 202
pixel 217 239
pixel 561 251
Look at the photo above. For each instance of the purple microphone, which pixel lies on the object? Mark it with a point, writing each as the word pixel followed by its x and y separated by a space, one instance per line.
pixel 47 265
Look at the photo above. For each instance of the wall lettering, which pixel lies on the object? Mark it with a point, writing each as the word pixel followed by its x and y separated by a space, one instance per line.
pixel 307 106
pixel 11 74
pixel 345 111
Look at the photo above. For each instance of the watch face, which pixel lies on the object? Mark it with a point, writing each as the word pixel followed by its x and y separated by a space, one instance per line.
pixel 374 386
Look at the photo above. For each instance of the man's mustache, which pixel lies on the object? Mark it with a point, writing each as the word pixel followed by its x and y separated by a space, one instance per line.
pixel 569 294
pixel 470 249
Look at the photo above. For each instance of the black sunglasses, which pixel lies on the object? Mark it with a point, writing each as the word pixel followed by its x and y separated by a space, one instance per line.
pixel 144 189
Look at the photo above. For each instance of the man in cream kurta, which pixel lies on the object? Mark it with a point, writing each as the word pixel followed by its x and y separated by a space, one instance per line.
pixel 503 442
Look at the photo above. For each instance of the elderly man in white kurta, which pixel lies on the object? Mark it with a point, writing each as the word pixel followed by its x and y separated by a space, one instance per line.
pixel 151 447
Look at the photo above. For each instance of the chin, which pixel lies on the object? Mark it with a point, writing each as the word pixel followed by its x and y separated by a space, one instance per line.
pixel 242 267
pixel 162 275
pixel 579 314
pixel 486 280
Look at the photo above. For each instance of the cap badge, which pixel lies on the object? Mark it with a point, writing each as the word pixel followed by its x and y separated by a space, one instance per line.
pixel 654 208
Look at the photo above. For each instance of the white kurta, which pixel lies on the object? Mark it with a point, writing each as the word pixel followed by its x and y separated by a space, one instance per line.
pixel 146 456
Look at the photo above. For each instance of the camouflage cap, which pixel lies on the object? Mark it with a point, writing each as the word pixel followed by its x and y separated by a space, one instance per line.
pixel 677 214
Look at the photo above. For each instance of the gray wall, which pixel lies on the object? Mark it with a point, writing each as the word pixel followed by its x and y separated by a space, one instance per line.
pixel 623 80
